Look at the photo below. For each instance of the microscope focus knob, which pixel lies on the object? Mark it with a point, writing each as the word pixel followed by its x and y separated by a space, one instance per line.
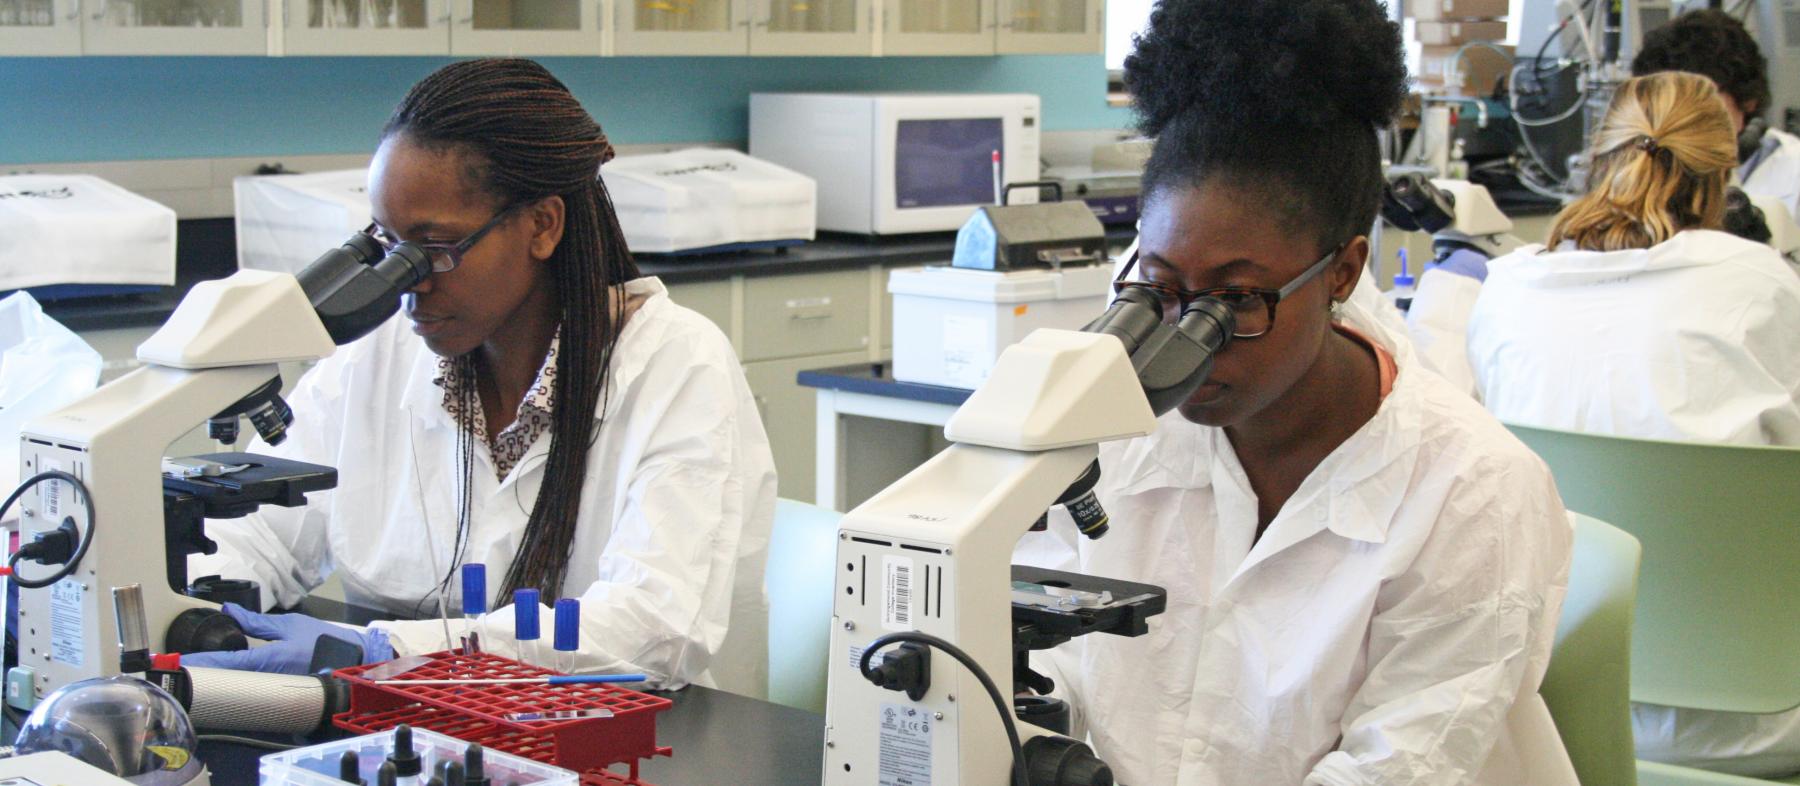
pixel 205 630
pixel 1060 761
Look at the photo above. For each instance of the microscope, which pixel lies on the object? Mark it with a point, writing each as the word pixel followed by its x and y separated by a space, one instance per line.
pixel 99 498
pixel 1458 214
pixel 931 623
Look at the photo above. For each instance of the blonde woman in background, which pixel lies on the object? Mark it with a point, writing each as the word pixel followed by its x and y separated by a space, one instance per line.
pixel 1643 318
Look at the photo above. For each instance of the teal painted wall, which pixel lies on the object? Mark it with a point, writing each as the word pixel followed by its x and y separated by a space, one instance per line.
pixel 131 108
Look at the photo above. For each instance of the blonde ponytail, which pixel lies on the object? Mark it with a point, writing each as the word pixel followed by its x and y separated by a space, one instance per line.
pixel 1661 159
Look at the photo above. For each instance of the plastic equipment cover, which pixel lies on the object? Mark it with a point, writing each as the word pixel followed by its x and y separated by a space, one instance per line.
pixel 705 197
pixel 79 229
pixel 284 222
pixel 43 366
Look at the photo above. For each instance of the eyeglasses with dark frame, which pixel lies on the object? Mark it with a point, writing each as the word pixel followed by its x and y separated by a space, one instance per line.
pixel 444 256
pixel 1254 307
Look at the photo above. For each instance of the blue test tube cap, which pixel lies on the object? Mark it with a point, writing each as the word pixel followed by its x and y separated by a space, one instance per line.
pixel 525 614
pixel 568 625
pixel 474 596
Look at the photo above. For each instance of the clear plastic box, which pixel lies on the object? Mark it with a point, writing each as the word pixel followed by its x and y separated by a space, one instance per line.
pixel 318 765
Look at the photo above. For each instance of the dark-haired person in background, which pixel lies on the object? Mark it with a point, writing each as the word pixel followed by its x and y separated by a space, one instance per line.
pixel 1715 45
pixel 542 409
pixel 1363 567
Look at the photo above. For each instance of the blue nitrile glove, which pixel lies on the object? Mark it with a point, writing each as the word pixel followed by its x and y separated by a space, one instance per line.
pixel 291 638
pixel 1465 262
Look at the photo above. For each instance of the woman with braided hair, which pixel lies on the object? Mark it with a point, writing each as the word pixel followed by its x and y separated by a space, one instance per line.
pixel 542 409
pixel 1363 568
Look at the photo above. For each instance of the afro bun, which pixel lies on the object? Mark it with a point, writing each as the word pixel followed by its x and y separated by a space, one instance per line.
pixel 1311 63
pixel 1714 45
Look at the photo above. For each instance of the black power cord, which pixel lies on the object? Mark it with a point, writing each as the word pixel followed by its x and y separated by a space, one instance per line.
pixel 1019 775
pixel 36 548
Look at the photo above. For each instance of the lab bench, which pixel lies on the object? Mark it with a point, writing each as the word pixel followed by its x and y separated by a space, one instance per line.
pixel 717 737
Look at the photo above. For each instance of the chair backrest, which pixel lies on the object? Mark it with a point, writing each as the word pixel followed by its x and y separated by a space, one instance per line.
pixel 802 555
pixel 1588 685
pixel 1717 627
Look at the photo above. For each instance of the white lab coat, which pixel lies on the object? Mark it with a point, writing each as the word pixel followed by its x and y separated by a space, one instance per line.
pixel 1438 323
pixel 1696 338
pixel 676 509
pixel 1778 174
pixel 1392 625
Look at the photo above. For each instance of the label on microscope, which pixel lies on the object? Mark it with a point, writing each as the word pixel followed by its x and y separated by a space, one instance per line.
pixel 905 746
pixel 68 644
pixel 896 593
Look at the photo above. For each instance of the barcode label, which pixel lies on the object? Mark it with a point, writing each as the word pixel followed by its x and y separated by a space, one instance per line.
pixel 52 492
pixel 896 593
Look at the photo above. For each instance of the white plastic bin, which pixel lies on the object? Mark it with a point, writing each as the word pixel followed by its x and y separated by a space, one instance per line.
pixel 318 765
pixel 79 229
pixel 285 222
pixel 950 324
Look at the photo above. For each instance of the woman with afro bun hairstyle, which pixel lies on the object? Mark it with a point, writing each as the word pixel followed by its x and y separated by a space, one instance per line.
pixel 1363 567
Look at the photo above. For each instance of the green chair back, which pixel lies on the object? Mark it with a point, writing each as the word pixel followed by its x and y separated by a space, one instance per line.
pixel 1588 685
pixel 802 555
pixel 1717 625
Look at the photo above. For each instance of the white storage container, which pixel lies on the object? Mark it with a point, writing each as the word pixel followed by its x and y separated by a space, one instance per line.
pixel 79 229
pixel 318 765
pixel 708 198
pixel 950 324
pixel 285 222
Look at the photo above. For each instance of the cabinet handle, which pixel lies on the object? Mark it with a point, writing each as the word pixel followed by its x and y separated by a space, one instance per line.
pixel 100 14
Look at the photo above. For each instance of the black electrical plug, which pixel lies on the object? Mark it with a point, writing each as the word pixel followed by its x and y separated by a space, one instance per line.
pixel 905 668
pixel 53 547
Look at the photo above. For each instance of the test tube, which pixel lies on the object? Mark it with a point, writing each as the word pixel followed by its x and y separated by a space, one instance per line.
pixel 525 623
pixel 568 633
pixel 474 603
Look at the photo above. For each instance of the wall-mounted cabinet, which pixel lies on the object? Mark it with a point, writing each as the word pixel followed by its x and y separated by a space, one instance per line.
pixel 549 27
pixel 40 27
pixel 441 27
pixel 174 27
pixel 1051 26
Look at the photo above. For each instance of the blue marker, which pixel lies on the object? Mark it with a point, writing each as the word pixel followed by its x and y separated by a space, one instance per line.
pixel 474 603
pixel 525 623
pixel 568 633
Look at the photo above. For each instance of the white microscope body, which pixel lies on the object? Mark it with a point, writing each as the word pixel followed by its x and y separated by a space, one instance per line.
pixel 932 553
pixel 220 349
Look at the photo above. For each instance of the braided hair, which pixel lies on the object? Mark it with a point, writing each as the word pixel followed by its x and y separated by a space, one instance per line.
pixel 525 137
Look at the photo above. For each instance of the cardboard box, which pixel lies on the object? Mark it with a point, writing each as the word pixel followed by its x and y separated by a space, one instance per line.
pixel 1458 33
pixel 1480 69
pixel 1440 10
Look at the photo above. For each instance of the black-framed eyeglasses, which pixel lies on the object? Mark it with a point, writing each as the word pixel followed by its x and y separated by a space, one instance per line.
pixel 1254 307
pixel 444 256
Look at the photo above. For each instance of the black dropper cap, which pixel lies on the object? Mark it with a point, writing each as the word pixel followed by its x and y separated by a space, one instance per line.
pixel 385 775
pixel 474 771
pixel 451 772
pixel 406 761
pixel 350 768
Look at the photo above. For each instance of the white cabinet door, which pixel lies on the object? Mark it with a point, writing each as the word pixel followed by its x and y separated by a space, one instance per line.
pixel 175 27
pixel 812 27
pixel 938 27
pixel 40 27
pixel 681 27
pixel 366 27
pixel 1052 27
pixel 526 27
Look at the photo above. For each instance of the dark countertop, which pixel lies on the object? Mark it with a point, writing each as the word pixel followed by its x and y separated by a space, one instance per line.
pixel 877 379
pixel 717 737
pixel 207 249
